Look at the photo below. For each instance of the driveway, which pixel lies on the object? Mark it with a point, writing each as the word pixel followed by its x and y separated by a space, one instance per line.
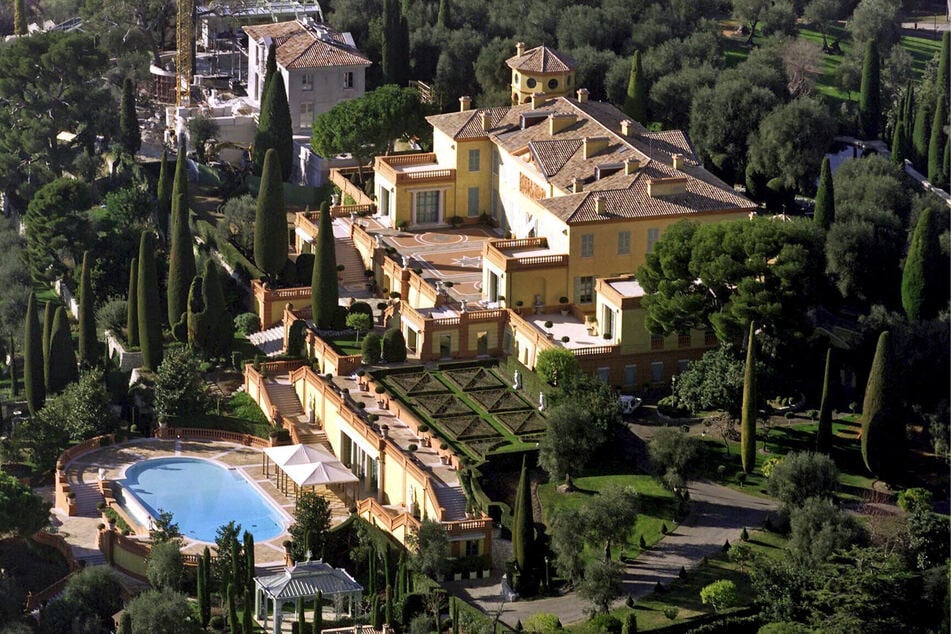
pixel 717 514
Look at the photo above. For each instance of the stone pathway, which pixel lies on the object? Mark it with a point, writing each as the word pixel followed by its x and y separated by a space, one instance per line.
pixel 717 514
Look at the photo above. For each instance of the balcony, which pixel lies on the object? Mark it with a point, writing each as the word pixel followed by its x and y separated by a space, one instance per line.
pixel 413 169
pixel 523 254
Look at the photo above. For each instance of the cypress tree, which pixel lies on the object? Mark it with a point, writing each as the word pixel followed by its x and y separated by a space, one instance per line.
pixel 630 623
pixel 923 291
pixel 49 312
pixel 944 70
pixel 88 348
pixel 164 195
pixel 200 593
pixel 748 414
pixel 206 558
pixel 195 319
pixel 523 529
pixel 318 613
pixel 443 17
pixel 19 17
pixel 824 431
pixel 921 134
pixel 132 314
pixel 275 128
pixel 232 610
pixel 394 345
pixel 908 120
pixel 883 433
pixel 14 374
pixel 247 622
pixel 129 134
pixel 33 358
pixel 936 143
pixel 324 290
pixel 898 144
pixel 375 615
pixel 181 267
pixel 395 40
pixel 125 624
pixel 824 214
pixel 946 162
pixel 61 363
pixel 270 220
pixel 388 606
pixel 870 97
pixel 148 304
pixel 249 563
pixel 635 103
pixel 220 321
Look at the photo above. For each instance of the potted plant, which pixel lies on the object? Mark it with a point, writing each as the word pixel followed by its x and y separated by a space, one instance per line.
pixel 518 306
pixel 455 221
pixel 564 305
pixel 591 323
pixel 565 339
pixel 340 268
pixel 402 224
pixel 548 326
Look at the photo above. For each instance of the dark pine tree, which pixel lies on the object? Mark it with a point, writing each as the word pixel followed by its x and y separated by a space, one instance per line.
pixel 181 263
pixel 748 412
pixel 88 345
pixel 33 358
pixel 324 291
pixel 937 142
pixel 275 128
pixel 62 358
pixel 164 195
pixel 635 103
pixel 445 14
pixel 270 220
pixel 132 310
pixel 196 330
pixel 824 431
pixel 883 430
pixel 149 305
pixel 395 37
pixel 924 288
pixel 129 134
pixel 523 531
pixel 220 322
pixel 870 97
pixel 824 214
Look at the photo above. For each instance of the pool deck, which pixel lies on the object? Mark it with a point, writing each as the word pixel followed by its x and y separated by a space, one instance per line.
pixel 115 459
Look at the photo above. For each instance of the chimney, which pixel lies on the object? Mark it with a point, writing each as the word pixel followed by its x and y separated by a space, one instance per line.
pixel 678 161
pixel 538 98
pixel 577 185
pixel 599 205
pixel 631 166
pixel 486 121
pixel 465 102
pixel 626 127
pixel 558 122
pixel 593 145
pixel 519 49
pixel 582 95
pixel 666 186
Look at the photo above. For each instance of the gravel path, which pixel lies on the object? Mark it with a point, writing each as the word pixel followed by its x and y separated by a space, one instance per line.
pixel 717 514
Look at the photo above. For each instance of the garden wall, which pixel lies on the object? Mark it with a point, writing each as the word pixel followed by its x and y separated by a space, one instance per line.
pixel 128 359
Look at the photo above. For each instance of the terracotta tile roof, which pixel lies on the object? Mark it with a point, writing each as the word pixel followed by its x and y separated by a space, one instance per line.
pixel 541 59
pixel 308 46
pixel 560 159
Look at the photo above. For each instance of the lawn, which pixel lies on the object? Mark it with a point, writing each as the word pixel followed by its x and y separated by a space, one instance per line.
pixel 684 594
pixel 346 344
pixel 240 414
pixel 797 434
pixel 657 508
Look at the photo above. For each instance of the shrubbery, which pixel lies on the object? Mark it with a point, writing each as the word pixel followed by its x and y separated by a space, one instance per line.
pixel 247 324
pixel 394 346
pixel 112 316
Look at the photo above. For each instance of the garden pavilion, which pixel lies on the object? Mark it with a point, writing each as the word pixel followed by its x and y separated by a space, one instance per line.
pixel 303 581
pixel 303 466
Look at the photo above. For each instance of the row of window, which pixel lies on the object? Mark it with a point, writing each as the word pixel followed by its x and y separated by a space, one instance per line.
pixel 623 242
pixel 630 372
pixel 307 80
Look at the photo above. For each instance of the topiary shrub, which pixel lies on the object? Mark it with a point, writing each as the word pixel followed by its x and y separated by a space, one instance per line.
pixel 361 307
pixel 340 317
pixel 394 346
pixel 304 269
pixel 247 324
pixel 371 348
pixel 605 624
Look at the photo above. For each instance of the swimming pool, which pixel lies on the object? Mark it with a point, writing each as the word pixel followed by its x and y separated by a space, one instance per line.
pixel 201 495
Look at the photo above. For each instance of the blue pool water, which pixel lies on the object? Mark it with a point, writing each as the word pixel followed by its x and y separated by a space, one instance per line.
pixel 201 496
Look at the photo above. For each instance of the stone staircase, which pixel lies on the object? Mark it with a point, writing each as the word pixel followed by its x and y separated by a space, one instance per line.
pixel 453 500
pixel 88 496
pixel 284 398
pixel 349 257
pixel 270 341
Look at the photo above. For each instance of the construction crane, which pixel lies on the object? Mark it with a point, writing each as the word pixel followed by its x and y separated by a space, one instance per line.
pixel 184 58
